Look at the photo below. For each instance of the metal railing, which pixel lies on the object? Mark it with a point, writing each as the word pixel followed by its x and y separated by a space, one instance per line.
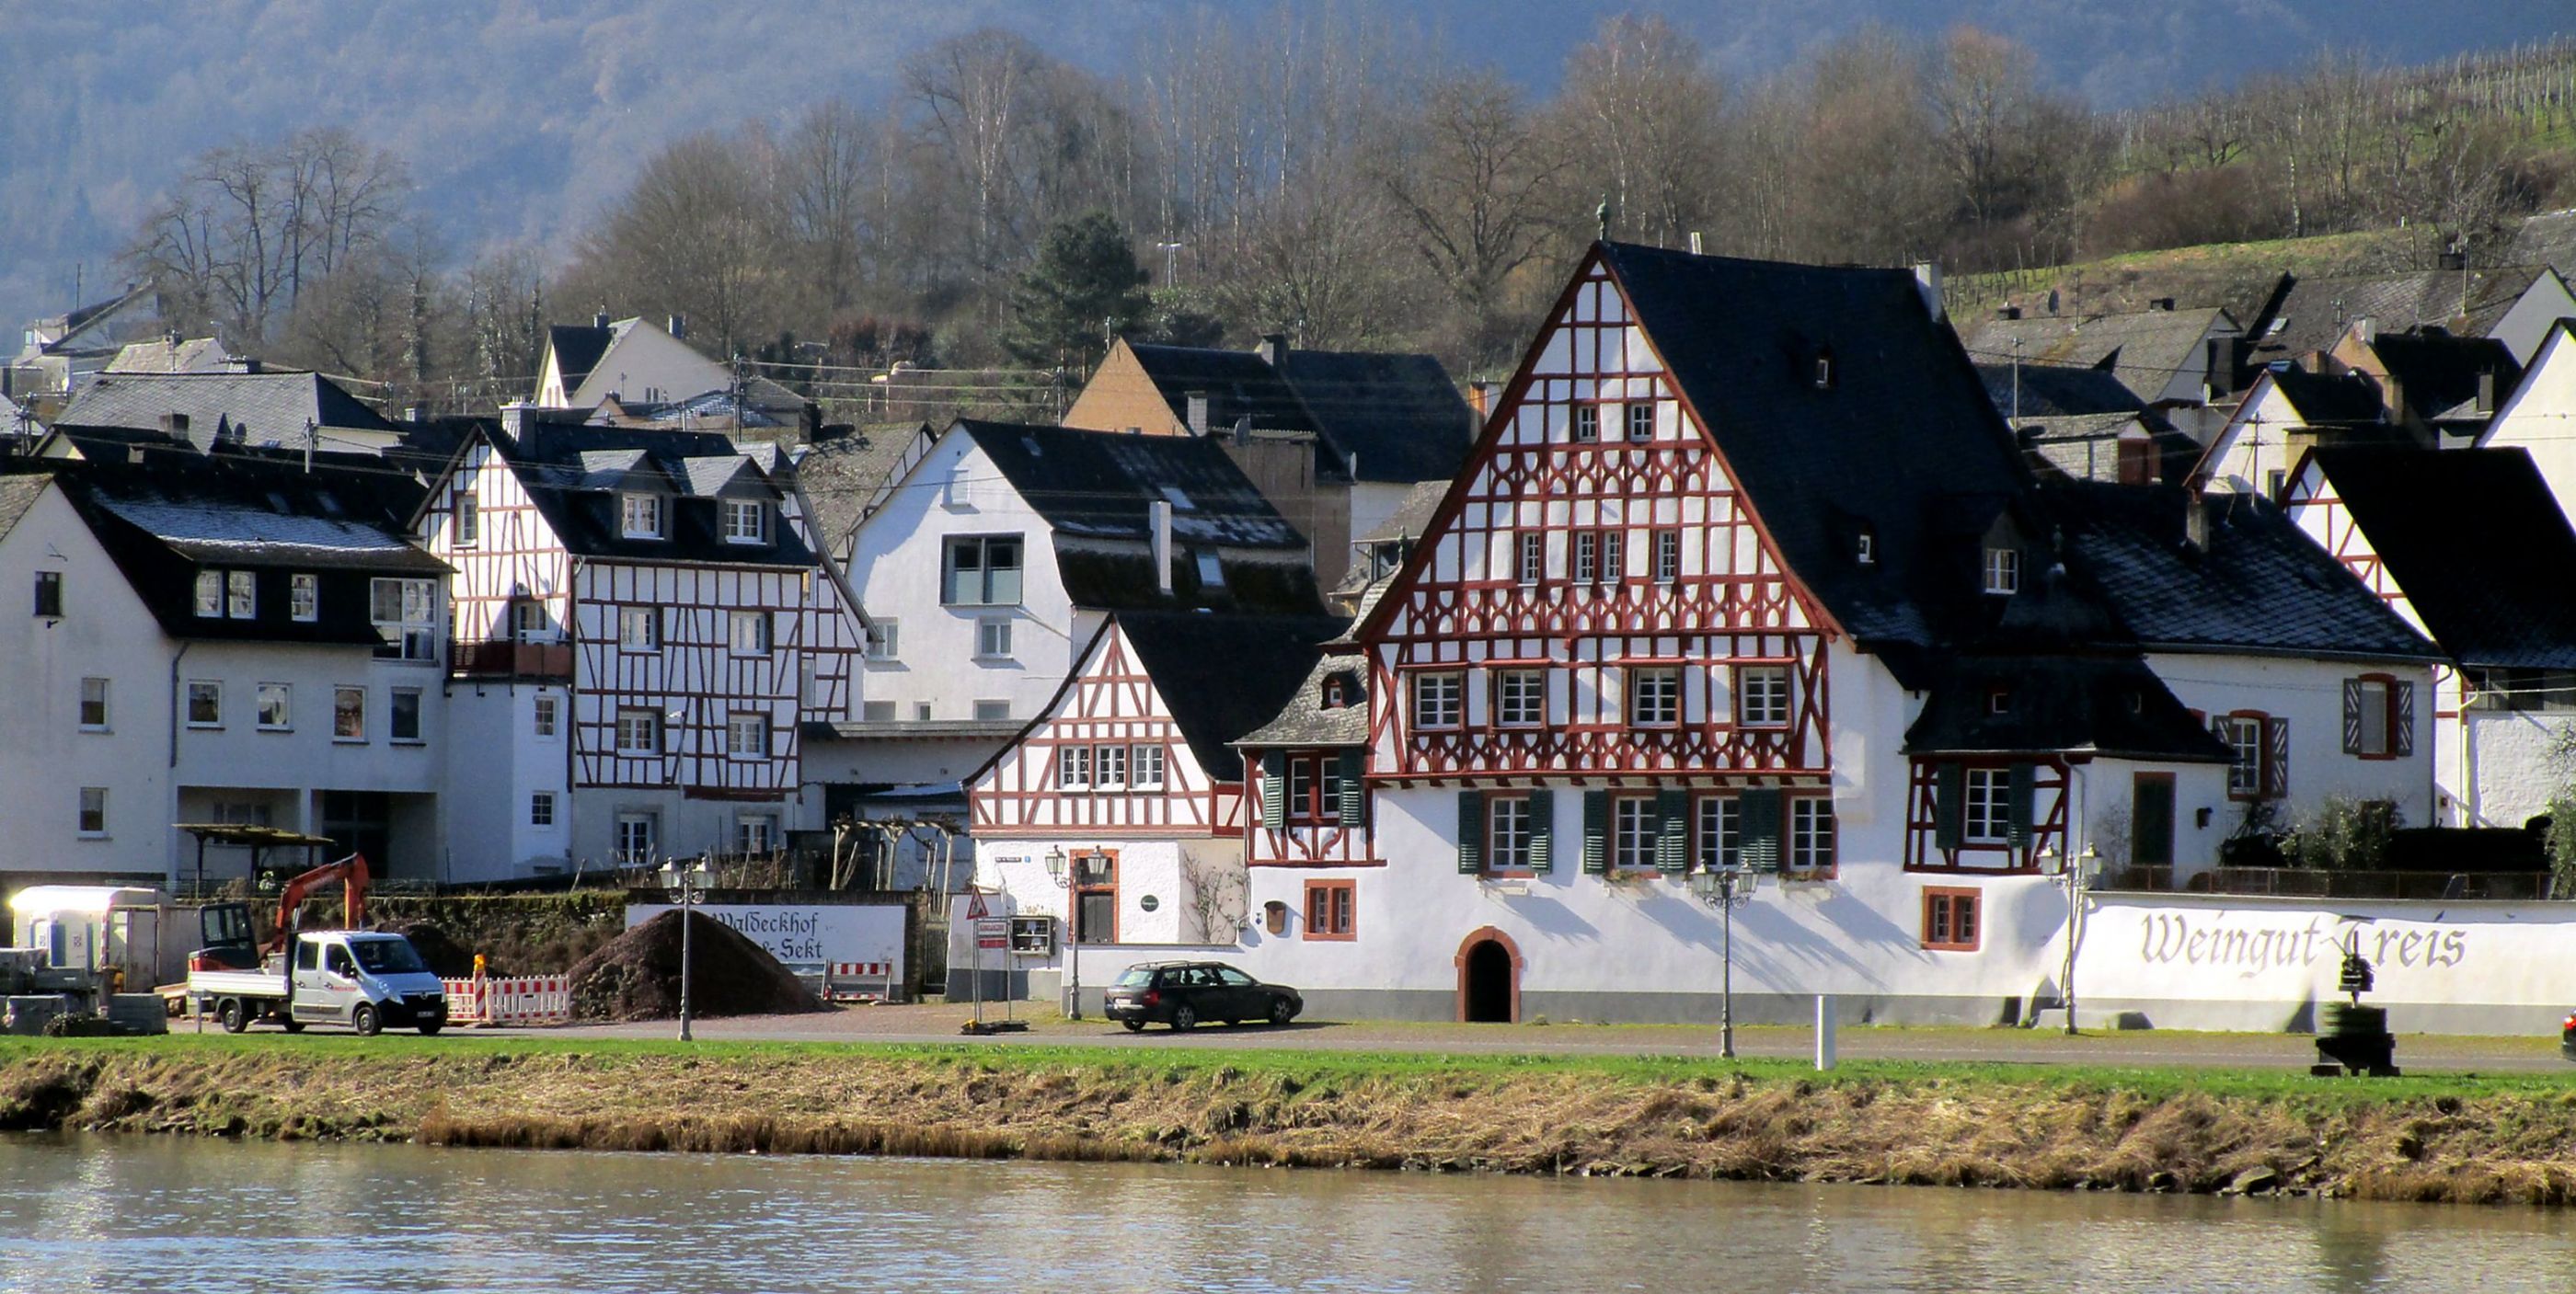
pixel 504 658
pixel 2295 882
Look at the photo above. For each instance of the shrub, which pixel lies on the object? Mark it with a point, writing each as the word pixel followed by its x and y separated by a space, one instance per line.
pixel 2344 835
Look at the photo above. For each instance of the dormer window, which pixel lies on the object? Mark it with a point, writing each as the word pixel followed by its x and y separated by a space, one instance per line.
pixel 639 516
pixel 1336 693
pixel 1865 547
pixel 1211 570
pixel 1824 370
pixel 1999 700
pixel 746 521
pixel 2003 571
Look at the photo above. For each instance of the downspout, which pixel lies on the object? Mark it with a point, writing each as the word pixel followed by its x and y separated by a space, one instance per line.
pixel 175 658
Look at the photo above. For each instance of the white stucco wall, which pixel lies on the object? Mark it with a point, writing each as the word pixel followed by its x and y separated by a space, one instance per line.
pixel 2540 415
pixel 646 363
pixel 2309 694
pixel 2502 767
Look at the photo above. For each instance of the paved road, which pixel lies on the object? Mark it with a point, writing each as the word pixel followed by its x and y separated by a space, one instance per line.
pixel 2416 1054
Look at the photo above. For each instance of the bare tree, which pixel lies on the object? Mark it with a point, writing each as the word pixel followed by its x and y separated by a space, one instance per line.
pixel 697 236
pixel 828 165
pixel 1639 122
pixel 1472 177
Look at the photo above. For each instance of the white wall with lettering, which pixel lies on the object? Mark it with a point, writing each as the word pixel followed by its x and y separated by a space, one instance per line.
pixel 2231 962
pixel 807 935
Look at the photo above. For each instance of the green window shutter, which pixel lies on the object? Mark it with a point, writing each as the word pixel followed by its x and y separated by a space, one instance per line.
pixel 1672 831
pixel 1596 830
pixel 2024 789
pixel 1471 831
pixel 1758 812
pixel 1542 820
pixel 1274 789
pixel 1949 804
pixel 1354 795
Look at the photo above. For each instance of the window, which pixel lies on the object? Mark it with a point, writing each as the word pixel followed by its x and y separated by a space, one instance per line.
pixel 1811 834
pixel 639 730
pixel 465 524
pixel 1986 809
pixel 2003 570
pixel 303 597
pixel 876 711
pixel 1762 696
pixel 210 594
pixel 755 833
pixel 1587 561
pixel 1654 697
pixel 49 593
pixel 2378 717
pixel 1633 830
pixel 1145 767
pixel 205 703
pixel 402 714
pixel 1109 768
pixel 1614 556
pixel 277 707
pixel 1073 768
pixel 93 704
pixel 985 711
pixel 639 628
pixel 1437 699
pixel 348 714
pixel 635 835
pixel 1336 693
pixel 2260 744
pixel 1865 547
pixel 545 713
pixel 1587 423
pixel 1533 557
pixel 1824 372
pixel 529 623
pixel 983 571
pixel 1721 832
pixel 1950 920
pixel 1507 834
pixel 921 711
pixel 93 811
pixel 541 809
pixel 405 613
pixel 884 639
pixel 1668 556
pixel 1520 698
pixel 993 638
pixel 1641 422
pixel 746 521
pixel 749 633
pixel 1314 788
pixel 241 596
pixel 639 516
pixel 1211 569
pixel 1328 908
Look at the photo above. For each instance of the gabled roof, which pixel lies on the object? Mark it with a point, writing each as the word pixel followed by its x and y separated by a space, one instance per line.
pixel 1304 720
pixel 1239 385
pixel 264 408
pixel 574 475
pixel 2144 350
pixel 1223 676
pixel 1394 418
pixel 2314 313
pixel 2112 706
pixel 2330 399
pixel 2258 585
pixel 577 349
pixel 2437 372
pixel 1102 485
pixel 2056 390
pixel 2476 541
pixel 1742 337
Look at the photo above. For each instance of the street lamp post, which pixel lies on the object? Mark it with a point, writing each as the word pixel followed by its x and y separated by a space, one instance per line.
pixel 692 882
pixel 1725 888
pixel 1063 876
pixel 2075 880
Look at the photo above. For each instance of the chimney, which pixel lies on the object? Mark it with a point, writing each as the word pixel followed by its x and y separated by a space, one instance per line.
pixel 416 413
pixel 2365 328
pixel 2164 304
pixel 2486 392
pixel 2008 312
pixel 2195 521
pixel 1273 348
pixel 2454 261
pixel 599 320
pixel 1198 412
pixel 2221 366
pixel 1695 251
pixel 1927 280
pixel 175 425
pixel 680 327
pixel 1162 521
pixel 241 364
pixel 514 419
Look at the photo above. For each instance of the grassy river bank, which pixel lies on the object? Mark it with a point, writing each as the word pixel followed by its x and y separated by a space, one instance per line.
pixel 2505 1139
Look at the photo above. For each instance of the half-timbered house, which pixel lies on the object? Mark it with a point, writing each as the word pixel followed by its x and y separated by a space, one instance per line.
pixel 642 633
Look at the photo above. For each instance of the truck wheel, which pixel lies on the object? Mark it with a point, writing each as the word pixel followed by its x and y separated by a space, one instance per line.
pixel 234 1018
pixel 290 1024
pixel 363 1019
pixel 430 1028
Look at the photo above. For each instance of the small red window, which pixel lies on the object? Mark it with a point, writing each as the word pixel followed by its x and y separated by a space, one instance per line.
pixel 1329 908
pixel 1950 920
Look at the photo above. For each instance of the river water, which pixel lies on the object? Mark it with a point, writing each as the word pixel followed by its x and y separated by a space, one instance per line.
pixel 178 1214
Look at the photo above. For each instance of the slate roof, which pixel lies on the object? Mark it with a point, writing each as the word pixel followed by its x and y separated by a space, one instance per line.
pixel 170 355
pixel 2260 584
pixel 2548 238
pixel 2477 542
pixel 577 350
pixel 838 476
pixel 1101 485
pixel 2054 390
pixel 1394 418
pixel 1304 721
pixel 2086 446
pixel 1742 337
pixel 573 474
pixel 1222 676
pixel 267 408
pixel 1412 516
pixel 18 494
pixel 2314 313
pixel 1116 576
pixel 2144 350
pixel 2327 400
pixel 2113 706
pixel 1239 385
pixel 2437 372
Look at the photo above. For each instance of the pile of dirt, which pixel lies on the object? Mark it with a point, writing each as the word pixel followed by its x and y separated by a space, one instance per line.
pixel 447 958
pixel 637 975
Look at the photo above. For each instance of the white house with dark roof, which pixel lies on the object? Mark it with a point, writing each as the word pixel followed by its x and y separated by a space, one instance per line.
pixel 246 405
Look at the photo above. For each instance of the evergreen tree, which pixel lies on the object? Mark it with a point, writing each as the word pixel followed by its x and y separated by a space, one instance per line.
pixel 1086 284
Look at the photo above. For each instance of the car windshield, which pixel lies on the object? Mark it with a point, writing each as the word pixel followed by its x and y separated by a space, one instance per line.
pixel 387 956
pixel 1136 977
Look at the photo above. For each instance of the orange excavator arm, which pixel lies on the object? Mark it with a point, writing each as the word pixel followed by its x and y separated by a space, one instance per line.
pixel 350 872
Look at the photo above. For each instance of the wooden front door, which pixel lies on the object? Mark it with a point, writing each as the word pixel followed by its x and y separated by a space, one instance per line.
pixel 2151 820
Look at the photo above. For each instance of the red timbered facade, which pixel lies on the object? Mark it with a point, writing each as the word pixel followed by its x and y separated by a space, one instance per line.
pixel 1105 758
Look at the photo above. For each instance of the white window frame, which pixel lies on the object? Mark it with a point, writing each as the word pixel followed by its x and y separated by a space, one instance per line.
pixel 639 514
pixel 1654 696
pixel 89 703
pixel 545 716
pixel 1719 837
pixel 210 595
pixel 1762 696
pixel 1073 768
pixel 1507 833
pixel 747 633
pixel 1520 698
pixel 990 710
pixel 1632 832
pixel 2378 718
pixel 639 629
pixel 241 595
pixel 638 838
pixel 1109 767
pixel 746 521
pixel 639 730
pixel 213 690
pixel 885 640
pixel 755 834
pixel 411 630
pixel 2245 740
pixel 993 638
pixel 746 735
pixel 988 590
pixel 1985 807
pixel 303 597
pixel 1811 834
pixel 465 521
pixel 340 711
pixel 283 694
pixel 1439 700
pixel 1145 766
pixel 2003 570
pixel 90 818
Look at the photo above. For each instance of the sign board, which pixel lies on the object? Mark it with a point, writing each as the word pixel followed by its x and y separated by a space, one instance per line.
pixel 1033 936
pixel 807 934
pixel 992 932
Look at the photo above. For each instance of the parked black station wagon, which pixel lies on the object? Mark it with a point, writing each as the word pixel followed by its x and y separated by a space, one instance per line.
pixel 1181 994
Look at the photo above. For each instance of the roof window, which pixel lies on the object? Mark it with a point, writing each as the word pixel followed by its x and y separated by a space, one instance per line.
pixel 1823 373
pixel 2003 571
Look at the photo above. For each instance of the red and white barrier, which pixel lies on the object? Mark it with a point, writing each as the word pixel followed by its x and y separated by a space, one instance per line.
pixel 533 1000
pixel 859 982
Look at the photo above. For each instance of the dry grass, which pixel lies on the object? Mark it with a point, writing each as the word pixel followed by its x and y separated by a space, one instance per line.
pixel 2488 1142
